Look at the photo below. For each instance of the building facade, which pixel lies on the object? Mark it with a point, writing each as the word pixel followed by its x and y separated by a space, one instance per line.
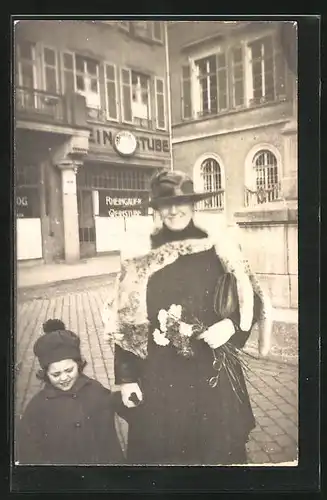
pixel 234 130
pixel 90 130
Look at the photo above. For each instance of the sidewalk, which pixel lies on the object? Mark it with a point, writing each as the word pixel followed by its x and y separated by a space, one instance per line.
pixel 45 274
pixel 272 387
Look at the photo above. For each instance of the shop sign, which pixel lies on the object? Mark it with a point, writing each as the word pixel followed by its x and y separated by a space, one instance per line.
pixel 124 204
pixel 26 203
pixel 126 143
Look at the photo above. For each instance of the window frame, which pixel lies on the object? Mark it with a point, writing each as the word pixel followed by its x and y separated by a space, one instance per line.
pixel 195 85
pixel 157 78
pixel 124 25
pixel 78 73
pixel 250 177
pixel 158 40
pixel 56 67
pixel 34 64
pixel 150 111
pixel 108 117
pixel 199 184
pixel 276 51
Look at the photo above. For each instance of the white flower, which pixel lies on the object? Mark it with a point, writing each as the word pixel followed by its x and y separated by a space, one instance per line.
pixel 175 311
pixel 185 329
pixel 159 338
pixel 162 317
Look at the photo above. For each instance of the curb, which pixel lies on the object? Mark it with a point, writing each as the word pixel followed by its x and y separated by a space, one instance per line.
pixel 272 358
pixel 51 284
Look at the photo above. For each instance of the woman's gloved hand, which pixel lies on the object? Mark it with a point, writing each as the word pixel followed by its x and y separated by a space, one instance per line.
pixel 218 334
pixel 126 392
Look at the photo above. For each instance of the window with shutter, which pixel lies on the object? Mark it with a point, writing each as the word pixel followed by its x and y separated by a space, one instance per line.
pixel 160 103
pixel 50 68
pixel 267 76
pixel 126 89
pixel 186 93
pixel 237 77
pixel 110 74
pixel 68 64
pixel 157 31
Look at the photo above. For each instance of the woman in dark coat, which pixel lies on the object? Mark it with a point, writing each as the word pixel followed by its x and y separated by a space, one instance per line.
pixel 183 417
pixel 71 420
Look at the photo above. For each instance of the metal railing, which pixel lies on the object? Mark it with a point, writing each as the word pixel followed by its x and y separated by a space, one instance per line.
pixel 262 195
pixel 216 202
pixel 40 104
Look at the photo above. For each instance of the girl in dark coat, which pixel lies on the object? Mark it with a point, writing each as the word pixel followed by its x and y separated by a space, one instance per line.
pixel 71 420
pixel 192 408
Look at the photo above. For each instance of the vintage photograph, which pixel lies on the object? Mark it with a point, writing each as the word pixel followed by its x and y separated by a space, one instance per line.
pixel 156 171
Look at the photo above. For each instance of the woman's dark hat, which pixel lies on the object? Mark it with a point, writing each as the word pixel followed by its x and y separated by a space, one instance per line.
pixel 56 346
pixel 172 186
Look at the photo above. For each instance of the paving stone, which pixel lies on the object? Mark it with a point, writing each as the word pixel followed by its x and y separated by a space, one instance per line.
pixel 284 440
pixel 266 420
pixel 260 457
pixel 272 447
pixel 287 409
pixel 273 430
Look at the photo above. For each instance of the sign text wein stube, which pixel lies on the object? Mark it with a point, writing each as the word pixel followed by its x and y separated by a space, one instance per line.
pixel 104 137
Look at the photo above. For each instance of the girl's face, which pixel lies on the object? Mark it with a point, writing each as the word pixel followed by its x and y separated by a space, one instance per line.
pixel 63 374
pixel 177 217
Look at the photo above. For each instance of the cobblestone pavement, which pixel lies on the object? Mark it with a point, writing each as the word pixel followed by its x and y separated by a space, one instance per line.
pixel 273 387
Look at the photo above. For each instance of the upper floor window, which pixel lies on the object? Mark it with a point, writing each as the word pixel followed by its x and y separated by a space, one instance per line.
pixel 148 30
pixel 210 85
pixel 267 75
pixel 243 75
pixel 50 70
pixel 81 74
pixel 136 106
pixel 26 71
pixel 124 25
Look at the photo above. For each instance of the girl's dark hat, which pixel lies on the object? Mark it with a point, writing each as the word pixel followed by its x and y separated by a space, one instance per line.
pixel 172 186
pixel 55 346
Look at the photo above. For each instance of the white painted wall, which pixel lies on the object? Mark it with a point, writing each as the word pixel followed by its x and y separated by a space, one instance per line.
pixel 115 233
pixel 29 239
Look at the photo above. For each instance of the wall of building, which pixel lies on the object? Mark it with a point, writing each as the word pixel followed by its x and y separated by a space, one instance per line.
pixel 105 43
pixel 269 239
pixel 99 41
pixel 232 149
pixel 95 39
pixel 182 33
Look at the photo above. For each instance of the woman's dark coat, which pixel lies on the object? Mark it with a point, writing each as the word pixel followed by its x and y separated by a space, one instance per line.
pixel 74 427
pixel 182 419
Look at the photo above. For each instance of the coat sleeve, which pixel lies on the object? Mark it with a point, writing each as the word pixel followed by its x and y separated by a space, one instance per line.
pixel 29 436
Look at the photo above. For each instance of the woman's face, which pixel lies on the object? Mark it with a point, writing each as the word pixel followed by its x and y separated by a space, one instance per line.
pixel 63 374
pixel 177 217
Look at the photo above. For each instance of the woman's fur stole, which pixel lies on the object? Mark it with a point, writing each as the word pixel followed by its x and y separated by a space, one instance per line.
pixel 125 314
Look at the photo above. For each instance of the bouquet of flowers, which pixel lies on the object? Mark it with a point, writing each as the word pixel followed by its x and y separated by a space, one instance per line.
pixel 174 331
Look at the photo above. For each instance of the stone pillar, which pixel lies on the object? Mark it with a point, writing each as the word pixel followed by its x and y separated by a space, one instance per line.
pixel 70 212
pixel 289 132
pixel 289 179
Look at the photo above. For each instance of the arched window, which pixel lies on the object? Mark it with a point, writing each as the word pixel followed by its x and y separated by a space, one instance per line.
pixel 212 181
pixel 266 176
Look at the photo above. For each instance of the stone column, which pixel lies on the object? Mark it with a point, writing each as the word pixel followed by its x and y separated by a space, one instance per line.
pixel 70 212
pixel 290 177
